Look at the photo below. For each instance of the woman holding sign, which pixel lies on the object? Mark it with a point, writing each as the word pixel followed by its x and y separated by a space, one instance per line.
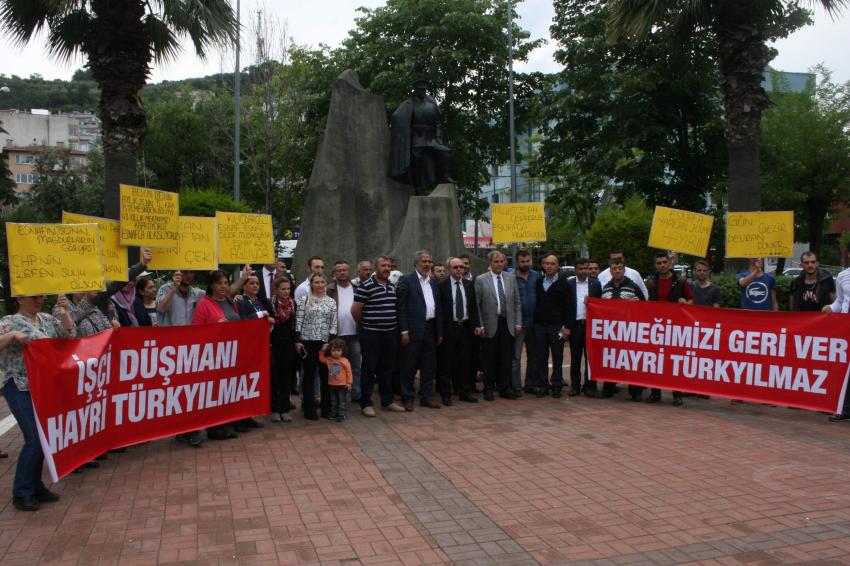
pixel 315 325
pixel 16 331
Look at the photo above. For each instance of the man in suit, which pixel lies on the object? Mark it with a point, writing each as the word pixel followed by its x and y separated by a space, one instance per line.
pixel 420 324
pixel 500 314
pixel 269 274
pixel 552 326
pixel 460 319
pixel 582 285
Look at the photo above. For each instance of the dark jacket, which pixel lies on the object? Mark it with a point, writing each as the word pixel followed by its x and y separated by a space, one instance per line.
pixel 247 309
pixel 410 306
pixel 142 316
pixel 594 289
pixel 554 305
pixel 825 289
pixel 448 305
pixel 675 289
pixel 264 293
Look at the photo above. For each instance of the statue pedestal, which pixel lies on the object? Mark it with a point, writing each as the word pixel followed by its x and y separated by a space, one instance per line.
pixel 432 223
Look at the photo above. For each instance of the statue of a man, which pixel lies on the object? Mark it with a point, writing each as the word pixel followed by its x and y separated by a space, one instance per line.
pixel 417 155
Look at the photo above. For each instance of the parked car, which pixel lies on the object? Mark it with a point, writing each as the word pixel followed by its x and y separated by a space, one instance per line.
pixel 568 270
pixel 792 271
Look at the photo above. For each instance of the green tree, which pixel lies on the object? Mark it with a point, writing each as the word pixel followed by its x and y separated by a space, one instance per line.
pixel 120 41
pixel 625 227
pixel 205 202
pixel 460 48
pixel 63 184
pixel 741 31
pixel 806 153
pixel 643 117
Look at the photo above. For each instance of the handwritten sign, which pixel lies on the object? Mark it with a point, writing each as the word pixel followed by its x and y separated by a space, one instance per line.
pixel 196 246
pixel 113 253
pixel 760 234
pixel 149 217
pixel 47 259
pixel 519 222
pixel 245 238
pixel 680 230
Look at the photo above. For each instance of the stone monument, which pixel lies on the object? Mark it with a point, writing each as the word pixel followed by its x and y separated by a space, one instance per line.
pixel 354 210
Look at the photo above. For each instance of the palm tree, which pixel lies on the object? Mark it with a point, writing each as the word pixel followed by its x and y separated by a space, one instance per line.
pixel 120 38
pixel 741 29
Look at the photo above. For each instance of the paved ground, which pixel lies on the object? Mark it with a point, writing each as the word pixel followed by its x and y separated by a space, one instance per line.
pixel 535 481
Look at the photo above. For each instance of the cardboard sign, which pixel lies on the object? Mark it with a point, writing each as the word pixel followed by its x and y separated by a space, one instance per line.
pixel 681 231
pixel 760 234
pixel 196 246
pixel 48 259
pixel 113 253
pixel 149 217
pixel 518 222
pixel 245 238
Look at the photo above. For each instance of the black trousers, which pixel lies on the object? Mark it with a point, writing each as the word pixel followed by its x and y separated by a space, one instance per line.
pixel 498 353
pixel 547 340
pixel 419 354
pixel 578 352
pixel 283 366
pixel 456 354
pixel 378 351
pixel 310 363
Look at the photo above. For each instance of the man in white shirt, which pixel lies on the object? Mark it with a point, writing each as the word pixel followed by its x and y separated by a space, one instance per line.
pixel 420 324
pixel 841 304
pixel 314 265
pixel 342 291
pixel 582 287
pixel 616 254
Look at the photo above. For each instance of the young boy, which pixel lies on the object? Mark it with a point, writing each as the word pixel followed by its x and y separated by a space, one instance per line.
pixel 339 376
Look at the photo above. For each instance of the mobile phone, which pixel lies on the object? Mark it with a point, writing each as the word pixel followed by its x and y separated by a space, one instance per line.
pixel 303 353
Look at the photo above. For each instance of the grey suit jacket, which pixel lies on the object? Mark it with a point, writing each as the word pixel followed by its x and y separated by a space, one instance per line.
pixel 485 296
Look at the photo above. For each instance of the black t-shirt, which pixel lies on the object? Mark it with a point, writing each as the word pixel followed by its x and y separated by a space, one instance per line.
pixel 809 298
pixel 706 296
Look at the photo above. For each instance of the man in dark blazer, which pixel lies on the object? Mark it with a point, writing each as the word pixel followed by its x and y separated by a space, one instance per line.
pixel 582 285
pixel 552 326
pixel 269 274
pixel 420 324
pixel 460 318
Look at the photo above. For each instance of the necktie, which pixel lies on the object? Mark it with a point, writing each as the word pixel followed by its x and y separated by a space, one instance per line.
pixel 501 290
pixel 458 302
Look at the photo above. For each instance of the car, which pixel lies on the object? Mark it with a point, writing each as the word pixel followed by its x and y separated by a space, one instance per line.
pixel 792 271
pixel 568 270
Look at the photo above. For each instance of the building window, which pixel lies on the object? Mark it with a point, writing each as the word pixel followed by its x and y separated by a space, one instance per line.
pixel 26 178
pixel 24 158
pixel 78 160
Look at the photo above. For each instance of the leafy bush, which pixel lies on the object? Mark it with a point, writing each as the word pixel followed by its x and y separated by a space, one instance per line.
pixel 626 227
pixel 204 202
pixel 730 291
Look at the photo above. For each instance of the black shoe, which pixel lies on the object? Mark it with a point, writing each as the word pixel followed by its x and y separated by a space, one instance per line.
pixel 467 399
pixel 488 395
pixel 530 390
pixel 606 395
pixel 44 495
pixel 678 402
pixel 26 503
pixel 574 393
pixel 654 399
pixel 838 418
pixel 118 450
pixel 311 416
pixel 508 394
pixel 556 393
pixel 91 464
pixel 637 398
pixel 252 423
pixel 78 471
pixel 542 393
pixel 240 427
pixel 590 393
pixel 447 401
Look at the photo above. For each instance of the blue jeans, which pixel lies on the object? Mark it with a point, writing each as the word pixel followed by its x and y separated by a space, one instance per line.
pixel 31 458
pixel 352 342
pixel 524 338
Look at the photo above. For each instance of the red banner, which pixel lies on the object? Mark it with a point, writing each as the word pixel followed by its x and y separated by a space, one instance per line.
pixel 791 359
pixel 131 385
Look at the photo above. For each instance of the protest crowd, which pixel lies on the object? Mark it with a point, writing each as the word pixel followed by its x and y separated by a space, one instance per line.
pixel 335 339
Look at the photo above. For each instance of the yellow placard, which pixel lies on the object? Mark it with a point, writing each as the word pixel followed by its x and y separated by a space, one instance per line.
pixel 518 222
pixel 196 248
pixel 113 253
pixel 760 234
pixel 149 217
pixel 245 238
pixel 681 231
pixel 47 259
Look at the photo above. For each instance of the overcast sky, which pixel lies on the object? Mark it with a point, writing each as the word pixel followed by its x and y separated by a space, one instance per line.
pixel 328 21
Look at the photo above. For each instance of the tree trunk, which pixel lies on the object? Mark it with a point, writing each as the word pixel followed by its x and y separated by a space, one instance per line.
pixel 739 27
pixel 817 218
pixel 119 54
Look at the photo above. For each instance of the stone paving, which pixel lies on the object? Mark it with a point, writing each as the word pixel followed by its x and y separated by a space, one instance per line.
pixel 534 481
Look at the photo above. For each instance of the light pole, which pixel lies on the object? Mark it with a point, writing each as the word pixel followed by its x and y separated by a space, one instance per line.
pixel 511 109
pixel 237 80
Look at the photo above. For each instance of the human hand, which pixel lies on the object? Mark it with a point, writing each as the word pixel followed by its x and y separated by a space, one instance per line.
pixel 827 309
pixel 479 331
pixel 62 303
pixel 683 301
pixel 405 339
pixel 115 324
pixel 19 337
pixel 517 329
pixel 177 278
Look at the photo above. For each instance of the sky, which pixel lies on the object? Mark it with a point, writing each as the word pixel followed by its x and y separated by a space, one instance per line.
pixel 328 21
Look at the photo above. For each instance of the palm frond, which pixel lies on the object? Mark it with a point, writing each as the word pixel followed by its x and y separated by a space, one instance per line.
pixel 205 22
pixel 24 19
pixel 635 18
pixel 833 7
pixel 68 32
pixel 164 44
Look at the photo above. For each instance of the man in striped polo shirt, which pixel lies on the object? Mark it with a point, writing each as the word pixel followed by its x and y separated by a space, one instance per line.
pixel 374 308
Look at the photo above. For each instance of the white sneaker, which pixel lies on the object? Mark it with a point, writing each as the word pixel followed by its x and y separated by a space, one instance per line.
pixel 369 411
pixel 394 407
pixel 285 417
pixel 275 417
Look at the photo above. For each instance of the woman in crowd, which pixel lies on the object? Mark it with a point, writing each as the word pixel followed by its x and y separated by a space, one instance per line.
pixel 144 305
pixel 17 330
pixel 315 325
pixel 284 359
pixel 217 306
pixel 251 305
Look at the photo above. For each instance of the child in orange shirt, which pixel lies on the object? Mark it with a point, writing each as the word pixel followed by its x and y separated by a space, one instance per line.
pixel 339 376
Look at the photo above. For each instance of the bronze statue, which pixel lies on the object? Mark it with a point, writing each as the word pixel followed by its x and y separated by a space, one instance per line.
pixel 417 154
